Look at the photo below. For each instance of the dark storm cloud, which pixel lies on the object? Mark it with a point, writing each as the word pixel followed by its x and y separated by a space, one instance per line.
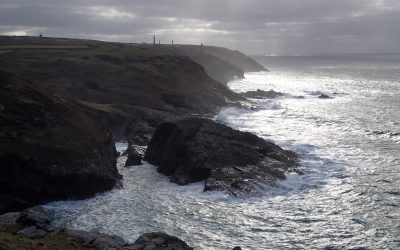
pixel 254 26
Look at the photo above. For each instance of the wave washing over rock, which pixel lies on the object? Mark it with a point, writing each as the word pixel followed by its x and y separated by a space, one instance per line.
pixel 347 197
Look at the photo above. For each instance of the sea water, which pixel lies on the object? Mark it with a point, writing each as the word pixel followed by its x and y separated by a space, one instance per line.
pixel 347 198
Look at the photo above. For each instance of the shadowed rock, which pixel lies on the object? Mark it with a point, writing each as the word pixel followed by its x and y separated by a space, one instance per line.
pixel 196 149
pixel 50 148
pixel 135 155
pixel 261 94
pixel 323 96
pixel 159 240
pixel 34 225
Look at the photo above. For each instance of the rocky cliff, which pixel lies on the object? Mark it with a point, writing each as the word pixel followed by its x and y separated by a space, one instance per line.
pixel 51 148
pixel 134 87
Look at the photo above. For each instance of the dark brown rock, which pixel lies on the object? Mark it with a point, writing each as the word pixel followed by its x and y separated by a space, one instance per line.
pixel 196 149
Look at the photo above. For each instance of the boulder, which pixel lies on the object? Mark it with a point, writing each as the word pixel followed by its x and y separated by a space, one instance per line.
pixel 34 216
pixel 196 149
pixel 261 94
pixel 98 240
pixel 159 240
pixel 51 148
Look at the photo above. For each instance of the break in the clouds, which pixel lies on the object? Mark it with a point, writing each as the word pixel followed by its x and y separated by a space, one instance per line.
pixel 253 26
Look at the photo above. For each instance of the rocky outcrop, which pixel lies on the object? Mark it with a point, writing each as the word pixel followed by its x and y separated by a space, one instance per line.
pixel 50 148
pixel 324 96
pixel 261 94
pixel 32 229
pixel 134 154
pixel 196 149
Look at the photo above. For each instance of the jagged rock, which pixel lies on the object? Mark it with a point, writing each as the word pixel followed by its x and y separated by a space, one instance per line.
pixel 323 96
pixel 33 232
pixel 34 216
pixel 159 240
pixel 37 221
pixel 237 248
pixel 8 219
pixel 195 149
pixel 135 155
pixel 261 94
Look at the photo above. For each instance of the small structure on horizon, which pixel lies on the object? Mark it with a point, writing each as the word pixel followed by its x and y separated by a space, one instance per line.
pixel 172 43
pixel 41 35
pixel 154 39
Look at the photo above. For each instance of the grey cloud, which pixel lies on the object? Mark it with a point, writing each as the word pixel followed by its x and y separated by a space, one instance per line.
pixel 253 26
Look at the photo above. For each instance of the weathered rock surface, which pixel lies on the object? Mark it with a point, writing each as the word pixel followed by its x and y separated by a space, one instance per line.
pixel 34 224
pixel 134 154
pixel 261 94
pixel 197 149
pixel 50 148
pixel 8 219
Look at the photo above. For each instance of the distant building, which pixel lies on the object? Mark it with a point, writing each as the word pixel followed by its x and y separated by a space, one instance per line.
pixel 41 35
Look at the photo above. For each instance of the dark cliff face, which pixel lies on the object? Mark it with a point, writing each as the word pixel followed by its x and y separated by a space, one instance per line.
pixel 221 64
pixel 50 148
pixel 54 116
pixel 126 84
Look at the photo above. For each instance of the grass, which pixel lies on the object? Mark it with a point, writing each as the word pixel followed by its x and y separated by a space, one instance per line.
pixel 41 46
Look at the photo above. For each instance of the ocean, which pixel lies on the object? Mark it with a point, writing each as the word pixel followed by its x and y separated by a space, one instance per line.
pixel 347 198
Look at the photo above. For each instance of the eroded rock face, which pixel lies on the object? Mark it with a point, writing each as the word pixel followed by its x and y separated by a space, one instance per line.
pixel 196 149
pixel 50 148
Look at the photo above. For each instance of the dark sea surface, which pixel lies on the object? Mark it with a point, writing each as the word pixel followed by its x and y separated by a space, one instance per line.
pixel 348 197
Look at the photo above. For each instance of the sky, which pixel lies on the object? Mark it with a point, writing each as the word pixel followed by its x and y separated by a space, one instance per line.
pixel 281 27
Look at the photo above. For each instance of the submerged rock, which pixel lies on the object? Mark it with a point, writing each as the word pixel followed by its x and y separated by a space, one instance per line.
pixel 261 94
pixel 196 149
pixel 323 96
